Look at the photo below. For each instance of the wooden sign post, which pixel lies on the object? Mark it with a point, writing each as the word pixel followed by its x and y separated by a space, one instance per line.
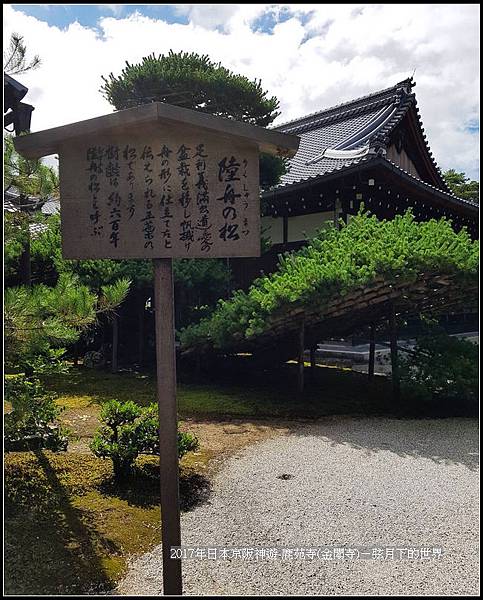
pixel 160 182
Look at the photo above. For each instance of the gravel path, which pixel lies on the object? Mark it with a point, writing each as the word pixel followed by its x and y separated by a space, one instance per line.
pixel 357 482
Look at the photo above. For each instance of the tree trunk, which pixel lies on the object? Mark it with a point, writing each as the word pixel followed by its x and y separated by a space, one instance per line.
pixel 25 268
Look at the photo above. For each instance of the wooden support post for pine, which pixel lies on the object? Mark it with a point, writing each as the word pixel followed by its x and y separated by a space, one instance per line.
pixel 301 357
pixel 372 350
pixel 312 361
pixel 168 423
pixel 115 342
pixel 394 356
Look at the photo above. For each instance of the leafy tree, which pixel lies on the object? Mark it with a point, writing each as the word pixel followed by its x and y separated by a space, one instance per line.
pixel 192 81
pixel 15 58
pixel 29 177
pixel 40 318
pixel 196 82
pixel 462 186
pixel 332 265
pixel 198 286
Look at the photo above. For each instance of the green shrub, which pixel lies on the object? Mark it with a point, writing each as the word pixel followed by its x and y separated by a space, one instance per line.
pixel 129 430
pixel 32 422
pixel 441 368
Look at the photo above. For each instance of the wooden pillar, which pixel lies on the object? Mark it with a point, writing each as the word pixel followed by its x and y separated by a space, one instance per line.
pixel 313 363
pixel 372 350
pixel 168 422
pixel 301 343
pixel 313 349
pixel 394 356
pixel 115 342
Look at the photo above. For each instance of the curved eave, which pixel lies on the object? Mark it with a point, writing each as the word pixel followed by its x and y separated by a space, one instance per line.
pixel 327 176
pixel 369 162
pixel 431 165
pixel 409 107
pixel 447 196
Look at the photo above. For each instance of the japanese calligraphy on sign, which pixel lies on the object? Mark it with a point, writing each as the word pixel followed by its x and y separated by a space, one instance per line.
pixel 175 193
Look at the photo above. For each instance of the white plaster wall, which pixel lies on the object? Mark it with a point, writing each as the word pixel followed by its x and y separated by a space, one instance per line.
pixel 303 227
pixel 274 229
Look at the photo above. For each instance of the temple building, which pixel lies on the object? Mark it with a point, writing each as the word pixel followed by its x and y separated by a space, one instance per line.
pixel 372 150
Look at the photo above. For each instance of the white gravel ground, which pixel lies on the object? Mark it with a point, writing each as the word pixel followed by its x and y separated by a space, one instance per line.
pixel 357 482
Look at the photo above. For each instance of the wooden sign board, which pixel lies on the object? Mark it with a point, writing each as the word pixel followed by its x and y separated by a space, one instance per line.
pixel 167 191
pixel 160 182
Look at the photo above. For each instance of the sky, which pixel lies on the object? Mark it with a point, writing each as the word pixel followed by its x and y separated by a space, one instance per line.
pixel 310 56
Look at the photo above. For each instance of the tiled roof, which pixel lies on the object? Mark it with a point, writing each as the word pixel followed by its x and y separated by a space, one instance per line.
pixel 36 229
pixel 51 207
pixel 14 202
pixel 363 124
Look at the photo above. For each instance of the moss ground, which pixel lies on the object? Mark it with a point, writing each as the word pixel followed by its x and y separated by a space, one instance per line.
pixel 70 528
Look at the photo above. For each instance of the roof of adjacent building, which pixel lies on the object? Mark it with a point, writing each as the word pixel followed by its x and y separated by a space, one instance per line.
pixel 13 202
pixel 356 132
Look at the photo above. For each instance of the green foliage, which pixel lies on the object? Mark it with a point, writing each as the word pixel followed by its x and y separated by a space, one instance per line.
pixel 195 82
pixel 16 233
pixel 336 261
pixel 129 430
pixel 198 286
pixel 15 58
pixel 192 81
pixel 46 260
pixel 48 361
pixel 46 255
pixel 198 283
pixel 32 422
pixel 39 318
pixel 271 170
pixel 462 186
pixel 440 368
pixel 28 177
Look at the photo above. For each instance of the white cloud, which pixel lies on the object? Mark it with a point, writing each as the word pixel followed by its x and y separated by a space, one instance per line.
pixel 320 56
pixel 116 9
